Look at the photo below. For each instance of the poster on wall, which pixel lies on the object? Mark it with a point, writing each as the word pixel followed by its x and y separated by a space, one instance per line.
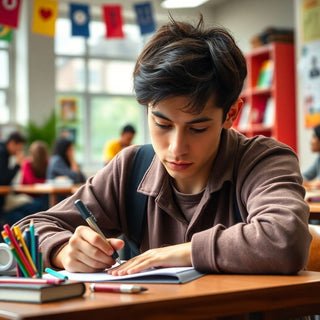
pixel 68 109
pixel 309 67
pixel 309 64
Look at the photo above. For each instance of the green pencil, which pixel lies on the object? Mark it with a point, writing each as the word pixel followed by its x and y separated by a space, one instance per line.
pixel 16 256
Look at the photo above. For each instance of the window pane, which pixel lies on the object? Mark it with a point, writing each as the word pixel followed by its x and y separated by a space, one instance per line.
pixel 63 41
pixel 4 108
pixel 114 77
pixel 71 121
pixel 70 74
pixel 126 48
pixel 108 116
pixel 4 63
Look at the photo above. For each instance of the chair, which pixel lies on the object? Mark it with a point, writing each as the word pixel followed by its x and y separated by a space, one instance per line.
pixel 314 251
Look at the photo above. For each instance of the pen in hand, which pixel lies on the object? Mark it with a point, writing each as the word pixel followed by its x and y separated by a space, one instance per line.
pixel 91 220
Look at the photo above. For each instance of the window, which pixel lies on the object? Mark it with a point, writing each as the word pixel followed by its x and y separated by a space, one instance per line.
pixel 94 88
pixel 5 81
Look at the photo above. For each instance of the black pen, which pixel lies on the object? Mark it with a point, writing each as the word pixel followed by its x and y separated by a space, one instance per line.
pixel 91 220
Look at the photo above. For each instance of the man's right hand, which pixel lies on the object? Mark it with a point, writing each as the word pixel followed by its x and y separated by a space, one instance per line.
pixel 87 251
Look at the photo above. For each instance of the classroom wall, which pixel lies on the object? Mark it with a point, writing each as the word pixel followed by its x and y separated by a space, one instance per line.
pixel 245 18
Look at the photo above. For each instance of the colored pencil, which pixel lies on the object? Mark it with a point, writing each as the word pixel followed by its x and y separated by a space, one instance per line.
pixel 20 238
pixel 32 242
pixel 15 255
pixel 21 255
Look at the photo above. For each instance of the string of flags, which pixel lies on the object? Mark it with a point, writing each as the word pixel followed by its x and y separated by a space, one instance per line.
pixel 45 13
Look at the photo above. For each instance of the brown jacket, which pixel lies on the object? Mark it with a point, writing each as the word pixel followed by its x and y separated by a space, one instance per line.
pixel 263 176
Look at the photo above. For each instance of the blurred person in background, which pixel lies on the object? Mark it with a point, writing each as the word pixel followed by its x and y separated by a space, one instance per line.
pixel 62 163
pixel 113 147
pixel 311 176
pixel 13 207
pixel 34 167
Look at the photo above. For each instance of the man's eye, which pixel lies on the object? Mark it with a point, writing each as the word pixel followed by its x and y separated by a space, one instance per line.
pixel 162 126
pixel 195 130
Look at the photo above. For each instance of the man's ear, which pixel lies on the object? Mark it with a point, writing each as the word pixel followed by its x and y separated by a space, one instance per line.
pixel 233 114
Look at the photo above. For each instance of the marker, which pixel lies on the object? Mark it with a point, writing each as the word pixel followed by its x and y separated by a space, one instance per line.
pixel 56 274
pixel 116 288
pixel 91 220
pixel 31 281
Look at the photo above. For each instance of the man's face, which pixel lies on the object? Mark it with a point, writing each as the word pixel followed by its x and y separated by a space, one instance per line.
pixel 126 138
pixel 186 144
pixel 14 148
pixel 315 143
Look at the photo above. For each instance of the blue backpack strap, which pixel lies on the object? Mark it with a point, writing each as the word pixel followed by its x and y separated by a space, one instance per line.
pixel 136 202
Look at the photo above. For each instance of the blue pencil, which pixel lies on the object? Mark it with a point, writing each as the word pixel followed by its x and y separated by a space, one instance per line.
pixel 55 273
pixel 33 243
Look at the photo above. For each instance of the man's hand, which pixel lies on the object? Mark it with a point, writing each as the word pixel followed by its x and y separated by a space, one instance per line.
pixel 87 251
pixel 171 256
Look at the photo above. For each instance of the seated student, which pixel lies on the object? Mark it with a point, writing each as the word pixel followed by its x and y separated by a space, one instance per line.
pixel 204 175
pixel 34 167
pixel 311 176
pixel 112 148
pixel 18 206
pixel 62 163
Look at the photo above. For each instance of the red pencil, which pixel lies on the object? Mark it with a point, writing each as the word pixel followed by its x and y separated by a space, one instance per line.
pixel 121 288
pixel 14 280
pixel 18 249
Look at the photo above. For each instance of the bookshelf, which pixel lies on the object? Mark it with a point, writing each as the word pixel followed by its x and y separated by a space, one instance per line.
pixel 269 94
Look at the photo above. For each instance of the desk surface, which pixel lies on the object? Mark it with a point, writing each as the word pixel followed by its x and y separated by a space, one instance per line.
pixel 205 298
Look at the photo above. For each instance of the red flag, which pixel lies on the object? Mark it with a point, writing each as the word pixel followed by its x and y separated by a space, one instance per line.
pixel 9 12
pixel 113 21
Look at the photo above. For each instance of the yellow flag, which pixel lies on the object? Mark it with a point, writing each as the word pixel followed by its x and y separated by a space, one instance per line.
pixel 44 17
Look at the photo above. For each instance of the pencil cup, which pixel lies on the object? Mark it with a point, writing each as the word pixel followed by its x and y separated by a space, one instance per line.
pixel 7 262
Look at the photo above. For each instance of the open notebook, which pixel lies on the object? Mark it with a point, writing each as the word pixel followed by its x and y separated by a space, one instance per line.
pixel 161 275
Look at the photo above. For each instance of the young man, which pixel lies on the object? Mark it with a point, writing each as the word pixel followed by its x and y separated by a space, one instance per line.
pixel 112 148
pixel 215 200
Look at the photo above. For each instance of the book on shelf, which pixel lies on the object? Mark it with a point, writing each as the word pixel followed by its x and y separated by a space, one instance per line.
pixel 244 117
pixel 40 293
pixel 159 275
pixel 268 116
pixel 265 74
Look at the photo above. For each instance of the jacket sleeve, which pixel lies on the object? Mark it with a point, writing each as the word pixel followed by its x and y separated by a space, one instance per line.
pixel 104 194
pixel 274 236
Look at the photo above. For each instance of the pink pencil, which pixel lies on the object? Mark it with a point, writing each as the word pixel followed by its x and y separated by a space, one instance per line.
pixel 14 280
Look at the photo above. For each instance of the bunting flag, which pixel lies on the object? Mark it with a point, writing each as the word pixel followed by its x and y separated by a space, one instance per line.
pixel 80 18
pixel 145 18
pixel 45 13
pixel 5 33
pixel 113 20
pixel 9 12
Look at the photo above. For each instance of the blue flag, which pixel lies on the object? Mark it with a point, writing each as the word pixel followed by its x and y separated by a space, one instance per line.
pixel 145 18
pixel 80 18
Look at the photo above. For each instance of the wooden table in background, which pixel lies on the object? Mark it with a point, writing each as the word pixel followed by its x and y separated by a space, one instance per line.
pixel 314 210
pixel 5 189
pixel 52 191
pixel 209 297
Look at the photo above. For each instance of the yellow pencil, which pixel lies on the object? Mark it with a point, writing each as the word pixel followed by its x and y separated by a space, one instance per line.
pixel 20 238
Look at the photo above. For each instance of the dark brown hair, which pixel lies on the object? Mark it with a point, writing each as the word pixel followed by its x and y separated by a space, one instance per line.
pixel 183 60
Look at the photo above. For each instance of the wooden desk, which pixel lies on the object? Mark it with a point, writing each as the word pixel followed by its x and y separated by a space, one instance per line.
pixel 5 189
pixel 314 210
pixel 209 297
pixel 52 191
